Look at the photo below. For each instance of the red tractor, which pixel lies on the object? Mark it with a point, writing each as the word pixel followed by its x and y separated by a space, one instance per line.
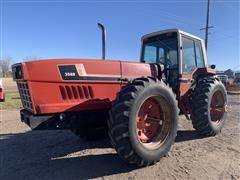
pixel 2 93
pixel 138 102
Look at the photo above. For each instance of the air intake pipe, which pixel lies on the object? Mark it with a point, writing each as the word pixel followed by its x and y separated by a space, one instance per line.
pixel 103 40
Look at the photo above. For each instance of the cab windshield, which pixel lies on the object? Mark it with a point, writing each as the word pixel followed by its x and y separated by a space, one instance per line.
pixel 161 49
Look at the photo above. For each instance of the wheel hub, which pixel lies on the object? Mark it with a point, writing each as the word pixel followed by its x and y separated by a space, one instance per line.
pixel 217 107
pixel 151 122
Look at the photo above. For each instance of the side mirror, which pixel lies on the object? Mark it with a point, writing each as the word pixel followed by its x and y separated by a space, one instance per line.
pixel 213 66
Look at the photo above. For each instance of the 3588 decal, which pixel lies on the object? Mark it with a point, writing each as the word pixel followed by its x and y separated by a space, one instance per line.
pixel 70 74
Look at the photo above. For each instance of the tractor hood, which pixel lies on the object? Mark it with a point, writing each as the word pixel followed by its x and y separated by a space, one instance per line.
pixel 57 70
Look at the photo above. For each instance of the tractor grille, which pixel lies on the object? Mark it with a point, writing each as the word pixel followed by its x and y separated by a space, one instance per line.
pixel 25 95
pixel 76 92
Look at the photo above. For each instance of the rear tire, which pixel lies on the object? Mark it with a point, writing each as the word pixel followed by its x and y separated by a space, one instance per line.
pixel 143 121
pixel 208 102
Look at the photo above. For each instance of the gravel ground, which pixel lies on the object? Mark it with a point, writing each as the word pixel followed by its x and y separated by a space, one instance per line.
pixel 26 154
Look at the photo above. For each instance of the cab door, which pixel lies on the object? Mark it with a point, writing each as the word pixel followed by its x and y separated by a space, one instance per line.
pixel 191 59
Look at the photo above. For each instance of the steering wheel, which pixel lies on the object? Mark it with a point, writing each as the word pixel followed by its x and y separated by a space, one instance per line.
pixel 166 62
pixel 162 60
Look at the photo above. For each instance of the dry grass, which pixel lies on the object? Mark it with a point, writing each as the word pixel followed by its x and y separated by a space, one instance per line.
pixel 12 98
pixel 233 87
pixel 12 101
pixel 9 84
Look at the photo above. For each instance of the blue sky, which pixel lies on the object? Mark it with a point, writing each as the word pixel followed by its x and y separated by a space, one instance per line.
pixel 67 29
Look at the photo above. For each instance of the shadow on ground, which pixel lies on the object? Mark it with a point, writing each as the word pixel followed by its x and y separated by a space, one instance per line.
pixel 187 135
pixel 43 155
pixel 60 155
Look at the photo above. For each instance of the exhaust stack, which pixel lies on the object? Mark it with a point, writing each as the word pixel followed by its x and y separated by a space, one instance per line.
pixel 103 40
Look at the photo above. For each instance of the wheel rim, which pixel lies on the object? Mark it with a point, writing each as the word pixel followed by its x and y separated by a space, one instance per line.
pixel 217 107
pixel 153 122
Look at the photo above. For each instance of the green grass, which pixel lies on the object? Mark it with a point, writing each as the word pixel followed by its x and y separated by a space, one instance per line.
pixel 12 101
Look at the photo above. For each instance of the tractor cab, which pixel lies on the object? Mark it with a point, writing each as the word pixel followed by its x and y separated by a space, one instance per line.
pixel 179 52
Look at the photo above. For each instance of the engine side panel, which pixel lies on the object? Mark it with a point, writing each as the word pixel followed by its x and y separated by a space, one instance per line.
pixel 48 71
pixel 131 70
pixel 72 96
pixel 53 86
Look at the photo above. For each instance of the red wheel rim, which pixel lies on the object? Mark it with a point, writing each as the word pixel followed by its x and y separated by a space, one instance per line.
pixel 217 107
pixel 153 122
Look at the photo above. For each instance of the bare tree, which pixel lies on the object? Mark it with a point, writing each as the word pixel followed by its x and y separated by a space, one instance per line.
pixel 5 65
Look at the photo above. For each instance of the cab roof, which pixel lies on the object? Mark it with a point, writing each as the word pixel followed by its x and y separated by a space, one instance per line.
pixel 170 30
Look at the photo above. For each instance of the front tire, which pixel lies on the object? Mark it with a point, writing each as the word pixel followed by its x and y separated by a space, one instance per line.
pixel 143 121
pixel 208 102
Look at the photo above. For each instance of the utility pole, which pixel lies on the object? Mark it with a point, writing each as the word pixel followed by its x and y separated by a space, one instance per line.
pixel 207 25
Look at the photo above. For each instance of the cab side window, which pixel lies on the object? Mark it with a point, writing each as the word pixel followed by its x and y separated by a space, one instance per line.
pixel 188 55
pixel 151 54
pixel 199 54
